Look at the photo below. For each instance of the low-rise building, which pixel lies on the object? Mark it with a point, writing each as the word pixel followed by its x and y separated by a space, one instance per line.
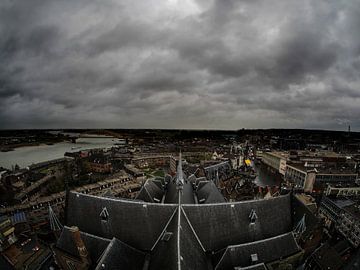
pixel 152 161
pixel 7 236
pixel 343 191
pixel 276 161
pixel 99 162
pixel 317 179
pixel 37 210
pixel 132 170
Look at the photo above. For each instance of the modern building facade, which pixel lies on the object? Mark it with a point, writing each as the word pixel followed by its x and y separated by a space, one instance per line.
pixel 275 160
pixel 317 179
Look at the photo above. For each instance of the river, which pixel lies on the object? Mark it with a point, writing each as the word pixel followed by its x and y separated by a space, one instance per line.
pixel 25 156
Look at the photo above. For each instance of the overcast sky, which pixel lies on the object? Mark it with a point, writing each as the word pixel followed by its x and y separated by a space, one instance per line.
pixel 180 64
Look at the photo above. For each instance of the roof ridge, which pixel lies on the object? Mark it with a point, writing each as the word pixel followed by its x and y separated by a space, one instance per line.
pixel 261 240
pixel 165 227
pixel 192 229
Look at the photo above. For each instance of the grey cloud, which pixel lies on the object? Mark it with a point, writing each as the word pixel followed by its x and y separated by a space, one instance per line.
pixel 179 64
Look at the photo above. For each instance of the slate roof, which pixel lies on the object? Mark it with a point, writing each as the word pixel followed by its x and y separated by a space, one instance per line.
pixel 259 266
pixel 183 250
pixel 204 191
pixel 208 193
pixel 121 257
pixel 266 251
pixel 187 192
pixel 153 234
pixel 151 191
pixel 134 223
pixel 223 224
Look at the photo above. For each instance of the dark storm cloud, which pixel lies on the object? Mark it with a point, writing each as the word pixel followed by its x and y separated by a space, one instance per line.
pixel 179 64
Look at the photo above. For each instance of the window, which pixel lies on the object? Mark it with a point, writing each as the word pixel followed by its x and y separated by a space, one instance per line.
pixel 253 217
pixel 104 214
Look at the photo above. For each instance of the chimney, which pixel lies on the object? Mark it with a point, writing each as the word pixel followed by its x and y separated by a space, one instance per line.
pixel 85 258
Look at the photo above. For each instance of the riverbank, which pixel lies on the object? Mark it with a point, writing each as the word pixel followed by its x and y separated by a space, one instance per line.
pixel 12 147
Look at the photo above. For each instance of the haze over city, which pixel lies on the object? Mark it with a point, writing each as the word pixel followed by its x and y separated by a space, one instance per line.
pixel 179 64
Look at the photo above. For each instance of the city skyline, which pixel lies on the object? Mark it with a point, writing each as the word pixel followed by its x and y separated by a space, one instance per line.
pixel 180 64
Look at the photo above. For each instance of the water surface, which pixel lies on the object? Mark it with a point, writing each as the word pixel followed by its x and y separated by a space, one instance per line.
pixel 25 156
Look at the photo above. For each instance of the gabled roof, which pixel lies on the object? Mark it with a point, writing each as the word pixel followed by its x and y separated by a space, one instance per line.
pixel 172 194
pixel 223 224
pixel 134 223
pixel 164 255
pixel 151 191
pixel 209 193
pixel 120 256
pixel 192 253
pixel 179 247
pixel 265 251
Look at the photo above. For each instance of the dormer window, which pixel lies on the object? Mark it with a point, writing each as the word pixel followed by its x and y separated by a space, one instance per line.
pixel 166 236
pixel 254 258
pixel 104 215
pixel 253 217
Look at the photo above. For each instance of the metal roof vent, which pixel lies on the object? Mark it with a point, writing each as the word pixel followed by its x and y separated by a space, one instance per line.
pixel 104 214
pixel 166 236
pixel 254 258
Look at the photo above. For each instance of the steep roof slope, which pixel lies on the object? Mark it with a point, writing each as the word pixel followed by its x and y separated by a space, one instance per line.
pixel 134 223
pixel 224 224
pixel 266 250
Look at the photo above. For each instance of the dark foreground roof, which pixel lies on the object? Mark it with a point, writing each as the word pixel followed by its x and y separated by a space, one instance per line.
pixel 136 224
pixel 151 191
pixel 224 224
pixel 265 251
pixel 178 236
pixel 118 254
pixel 148 233
pixel 181 250
pixel 260 266
pixel 207 192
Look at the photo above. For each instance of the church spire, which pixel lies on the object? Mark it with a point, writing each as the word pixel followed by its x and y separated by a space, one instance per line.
pixel 179 173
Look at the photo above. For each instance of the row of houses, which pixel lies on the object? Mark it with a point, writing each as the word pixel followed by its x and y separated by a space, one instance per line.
pixel 37 210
